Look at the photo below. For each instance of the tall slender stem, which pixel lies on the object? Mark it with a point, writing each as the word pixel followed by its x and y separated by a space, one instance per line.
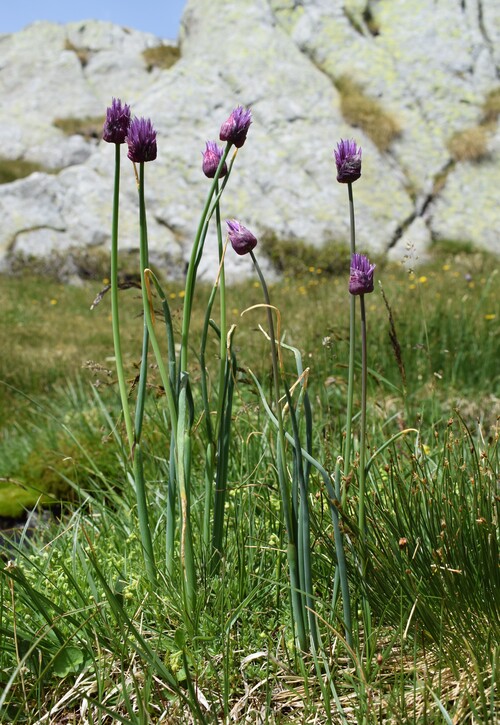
pixel 192 267
pixel 170 386
pixel 332 497
pixel 183 469
pixel 140 485
pixel 222 431
pixel 222 302
pixel 362 445
pixel 115 318
pixel 351 218
pixel 144 263
pixel 365 604
pixel 296 597
pixel 352 350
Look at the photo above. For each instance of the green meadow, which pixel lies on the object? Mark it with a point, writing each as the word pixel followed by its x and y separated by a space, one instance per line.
pixel 86 637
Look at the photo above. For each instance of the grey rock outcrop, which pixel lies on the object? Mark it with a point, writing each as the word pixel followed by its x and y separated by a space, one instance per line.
pixel 428 66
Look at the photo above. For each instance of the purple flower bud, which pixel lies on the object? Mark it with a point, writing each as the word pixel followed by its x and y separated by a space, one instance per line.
pixel 361 279
pixel 235 129
pixel 141 140
pixel 211 159
pixel 348 160
pixel 117 122
pixel 242 240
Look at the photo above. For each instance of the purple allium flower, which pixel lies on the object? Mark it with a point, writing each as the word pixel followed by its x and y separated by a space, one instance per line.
pixel 236 127
pixel 348 160
pixel 117 122
pixel 241 238
pixel 211 159
pixel 141 140
pixel 361 279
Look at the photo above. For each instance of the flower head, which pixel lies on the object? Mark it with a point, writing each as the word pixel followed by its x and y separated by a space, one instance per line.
pixel 348 160
pixel 236 127
pixel 117 122
pixel 211 159
pixel 141 140
pixel 361 279
pixel 241 238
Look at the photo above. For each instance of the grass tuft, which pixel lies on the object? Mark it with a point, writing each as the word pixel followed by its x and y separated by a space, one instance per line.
pixel 161 56
pixel 13 169
pixel 89 127
pixel 366 113
pixel 491 107
pixel 471 144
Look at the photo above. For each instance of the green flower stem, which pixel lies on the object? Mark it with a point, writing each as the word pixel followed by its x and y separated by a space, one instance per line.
pixel 296 597
pixel 142 505
pixel 362 446
pixel 332 499
pixel 169 383
pixel 144 263
pixel 222 468
pixel 183 476
pixel 166 377
pixel 211 205
pixel 209 479
pixel 210 450
pixel 183 438
pixel 223 420
pixel 223 320
pixel 351 218
pixel 168 327
pixel 194 260
pixel 365 604
pixel 115 318
pixel 170 386
pixel 171 507
pixel 141 386
pixel 302 519
pixel 352 349
pixel 301 477
pixel 142 512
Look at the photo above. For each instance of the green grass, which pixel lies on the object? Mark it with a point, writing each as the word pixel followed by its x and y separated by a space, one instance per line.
pixel 471 144
pixel 161 56
pixel 298 259
pixel 491 106
pixel 80 625
pixel 362 111
pixel 13 169
pixel 88 127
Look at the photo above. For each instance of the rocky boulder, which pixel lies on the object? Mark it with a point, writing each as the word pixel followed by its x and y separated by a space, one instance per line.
pixel 415 83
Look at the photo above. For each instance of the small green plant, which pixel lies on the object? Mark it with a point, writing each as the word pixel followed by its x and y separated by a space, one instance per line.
pixel 471 144
pixel 89 127
pixel 13 169
pixel 161 56
pixel 367 113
